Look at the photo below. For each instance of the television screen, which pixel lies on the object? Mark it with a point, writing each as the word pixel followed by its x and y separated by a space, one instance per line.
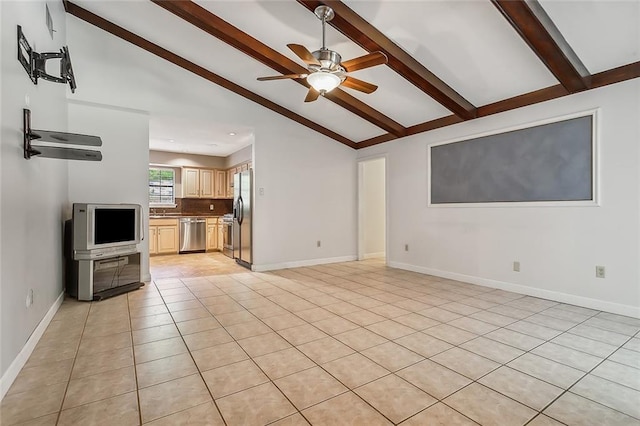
pixel 114 225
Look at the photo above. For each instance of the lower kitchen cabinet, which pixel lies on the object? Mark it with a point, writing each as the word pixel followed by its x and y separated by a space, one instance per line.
pixel 212 233
pixel 212 237
pixel 163 236
pixel 220 229
pixel 153 240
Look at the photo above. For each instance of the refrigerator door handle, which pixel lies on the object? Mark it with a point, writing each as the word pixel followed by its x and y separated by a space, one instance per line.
pixel 241 213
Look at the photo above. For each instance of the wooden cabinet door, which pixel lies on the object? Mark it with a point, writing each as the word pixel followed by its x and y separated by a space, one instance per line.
pixel 167 239
pixel 221 184
pixel 244 167
pixel 190 183
pixel 230 174
pixel 212 237
pixel 207 184
pixel 153 240
pixel 220 236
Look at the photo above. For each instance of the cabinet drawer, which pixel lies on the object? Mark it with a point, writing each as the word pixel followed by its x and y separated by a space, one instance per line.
pixel 163 222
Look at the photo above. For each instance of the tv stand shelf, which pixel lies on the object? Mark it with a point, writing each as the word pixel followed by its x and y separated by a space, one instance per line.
pixel 97 279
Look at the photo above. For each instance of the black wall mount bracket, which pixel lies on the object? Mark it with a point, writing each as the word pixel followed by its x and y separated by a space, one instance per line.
pixel 57 139
pixel 35 63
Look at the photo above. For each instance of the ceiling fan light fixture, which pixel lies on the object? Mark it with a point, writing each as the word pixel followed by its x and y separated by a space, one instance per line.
pixel 323 81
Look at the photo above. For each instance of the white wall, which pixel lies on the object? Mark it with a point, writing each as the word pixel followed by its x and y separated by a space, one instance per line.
pixel 290 161
pixel 309 185
pixel 243 155
pixel 186 160
pixel 372 208
pixel 34 192
pixel 122 175
pixel 558 247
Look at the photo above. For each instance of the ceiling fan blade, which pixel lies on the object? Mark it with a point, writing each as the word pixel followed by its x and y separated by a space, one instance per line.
pixel 282 77
pixel 362 86
pixel 304 54
pixel 366 61
pixel 312 95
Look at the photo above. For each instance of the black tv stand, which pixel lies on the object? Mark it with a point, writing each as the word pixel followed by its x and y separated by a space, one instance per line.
pixel 115 291
pixel 99 274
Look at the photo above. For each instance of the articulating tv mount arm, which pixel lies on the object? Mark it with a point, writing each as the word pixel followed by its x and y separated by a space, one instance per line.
pixel 34 63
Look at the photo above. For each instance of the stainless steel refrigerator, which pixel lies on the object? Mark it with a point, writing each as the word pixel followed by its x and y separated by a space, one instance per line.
pixel 242 217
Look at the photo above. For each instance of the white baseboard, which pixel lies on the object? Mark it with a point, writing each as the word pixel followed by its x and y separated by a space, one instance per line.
pixel 373 255
pixel 601 305
pixel 12 372
pixel 301 263
pixel 146 278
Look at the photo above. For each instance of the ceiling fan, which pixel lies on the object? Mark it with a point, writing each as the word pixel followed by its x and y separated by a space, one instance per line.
pixel 326 69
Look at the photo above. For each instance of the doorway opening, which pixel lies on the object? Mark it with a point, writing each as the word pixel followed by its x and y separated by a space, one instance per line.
pixel 372 209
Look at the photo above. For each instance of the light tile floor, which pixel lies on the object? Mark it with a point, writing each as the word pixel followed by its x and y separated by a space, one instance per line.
pixel 354 343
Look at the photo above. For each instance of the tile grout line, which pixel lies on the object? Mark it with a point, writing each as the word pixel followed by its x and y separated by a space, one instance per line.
pixel 133 355
pixel 333 336
pixel 190 355
pixel 294 346
pixel 465 316
pixel 66 389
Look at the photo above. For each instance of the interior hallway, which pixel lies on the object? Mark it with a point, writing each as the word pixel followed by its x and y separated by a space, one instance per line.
pixel 353 343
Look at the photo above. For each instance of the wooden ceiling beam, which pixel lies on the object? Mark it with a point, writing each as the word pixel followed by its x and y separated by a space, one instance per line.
pixel 150 47
pixel 604 78
pixel 371 39
pixel 537 29
pixel 219 28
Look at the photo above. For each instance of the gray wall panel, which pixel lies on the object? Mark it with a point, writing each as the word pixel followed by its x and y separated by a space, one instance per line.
pixel 551 162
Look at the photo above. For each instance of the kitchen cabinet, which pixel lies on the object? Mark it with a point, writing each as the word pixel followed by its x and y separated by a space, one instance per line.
pixel 212 233
pixel 207 183
pixel 190 183
pixel 167 239
pixel 221 184
pixel 153 240
pixel 220 235
pixel 163 236
pixel 198 183
pixel 230 174
pixel 232 171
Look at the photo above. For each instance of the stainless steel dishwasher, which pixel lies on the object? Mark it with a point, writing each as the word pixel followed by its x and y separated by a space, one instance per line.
pixel 193 234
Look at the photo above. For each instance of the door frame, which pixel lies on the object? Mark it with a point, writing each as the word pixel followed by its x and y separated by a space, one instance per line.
pixel 361 213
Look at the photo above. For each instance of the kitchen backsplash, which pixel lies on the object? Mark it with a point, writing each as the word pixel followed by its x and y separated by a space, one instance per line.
pixel 196 206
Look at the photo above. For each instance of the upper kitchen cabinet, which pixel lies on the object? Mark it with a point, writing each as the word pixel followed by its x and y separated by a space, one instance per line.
pixel 198 183
pixel 221 184
pixel 231 172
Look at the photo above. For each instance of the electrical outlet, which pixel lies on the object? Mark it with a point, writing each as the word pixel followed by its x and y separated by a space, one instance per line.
pixel 599 271
pixel 406 247
pixel 261 191
pixel 318 243
pixel 29 300
pixel 211 207
pixel 516 266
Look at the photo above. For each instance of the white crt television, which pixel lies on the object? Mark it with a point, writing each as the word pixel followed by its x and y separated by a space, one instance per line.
pixel 104 229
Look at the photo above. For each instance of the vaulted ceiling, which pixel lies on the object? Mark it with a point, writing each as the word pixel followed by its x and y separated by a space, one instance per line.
pixel 448 61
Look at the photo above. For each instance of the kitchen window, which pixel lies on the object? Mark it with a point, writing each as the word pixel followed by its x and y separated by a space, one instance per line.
pixel 162 187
